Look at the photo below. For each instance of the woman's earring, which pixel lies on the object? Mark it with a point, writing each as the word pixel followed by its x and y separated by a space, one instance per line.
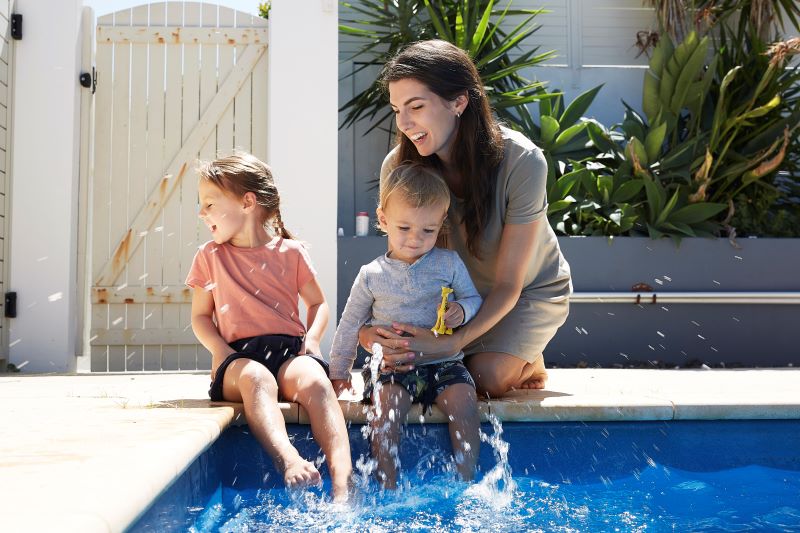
pixel 458 114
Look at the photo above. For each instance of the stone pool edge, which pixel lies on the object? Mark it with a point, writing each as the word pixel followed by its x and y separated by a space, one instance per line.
pixel 100 449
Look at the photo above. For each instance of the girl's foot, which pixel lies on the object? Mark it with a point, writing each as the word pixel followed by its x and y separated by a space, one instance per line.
pixel 301 473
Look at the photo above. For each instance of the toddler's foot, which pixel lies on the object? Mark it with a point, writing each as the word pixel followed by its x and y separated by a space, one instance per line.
pixel 341 493
pixel 536 381
pixel 301 473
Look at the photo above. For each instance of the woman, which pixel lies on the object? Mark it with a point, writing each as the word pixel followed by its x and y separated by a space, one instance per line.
pixel 497 179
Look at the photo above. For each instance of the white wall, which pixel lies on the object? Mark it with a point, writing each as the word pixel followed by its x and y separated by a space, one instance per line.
pixel 302 128
pixel 44 189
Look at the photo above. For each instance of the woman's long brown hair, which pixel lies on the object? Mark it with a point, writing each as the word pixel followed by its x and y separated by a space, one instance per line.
pixel 448 71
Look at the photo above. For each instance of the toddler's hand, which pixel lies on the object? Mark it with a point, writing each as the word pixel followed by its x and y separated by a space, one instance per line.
pixel 341 385
pixel 454 315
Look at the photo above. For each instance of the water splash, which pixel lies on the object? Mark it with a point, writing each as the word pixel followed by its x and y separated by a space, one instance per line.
pixel 497 486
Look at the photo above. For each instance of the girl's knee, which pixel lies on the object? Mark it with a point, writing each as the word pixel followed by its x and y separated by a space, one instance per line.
pixel 254 378
pixel 314 389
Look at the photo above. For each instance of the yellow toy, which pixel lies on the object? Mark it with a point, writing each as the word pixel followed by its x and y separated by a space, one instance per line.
pixel 440 327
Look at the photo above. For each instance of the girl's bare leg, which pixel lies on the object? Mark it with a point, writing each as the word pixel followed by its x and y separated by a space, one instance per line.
pixel 252 384
pixel 394 402
pixel 459 403
pixel 303 380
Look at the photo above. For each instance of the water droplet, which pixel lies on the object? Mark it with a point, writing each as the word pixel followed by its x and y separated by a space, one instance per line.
pixel 661 334
pixel 55 297
pixel 43 258
pixel 143 276
pixel 739 257
pixel 15 342
pixel 116 321
pixel 158 229
pixel 122 287
pixel 667 278
pixel 659 281
pixel 701 336
pixel 716 282
pixel 22 364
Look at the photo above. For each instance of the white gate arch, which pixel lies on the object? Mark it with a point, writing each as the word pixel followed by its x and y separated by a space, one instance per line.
pixel 176 81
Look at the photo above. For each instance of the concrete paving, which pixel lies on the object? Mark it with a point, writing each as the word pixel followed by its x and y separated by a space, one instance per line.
pixel 89 453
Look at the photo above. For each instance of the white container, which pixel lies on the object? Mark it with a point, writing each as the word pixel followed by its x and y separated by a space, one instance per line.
pixel 362 224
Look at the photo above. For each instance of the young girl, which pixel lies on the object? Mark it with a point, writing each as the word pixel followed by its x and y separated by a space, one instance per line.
pixel 406 284
pixel 245 312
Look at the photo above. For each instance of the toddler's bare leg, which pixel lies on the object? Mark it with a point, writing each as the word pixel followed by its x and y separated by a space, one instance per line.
pixel 252 384
pixel 394 402
pixel 460 404
pixel 303 380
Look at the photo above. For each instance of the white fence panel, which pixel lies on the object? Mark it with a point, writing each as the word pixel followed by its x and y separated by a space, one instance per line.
pixel 177 81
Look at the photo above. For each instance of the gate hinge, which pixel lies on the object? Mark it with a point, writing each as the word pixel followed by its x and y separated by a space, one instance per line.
pixel 16 26
pixel 11 305
pixel 89 80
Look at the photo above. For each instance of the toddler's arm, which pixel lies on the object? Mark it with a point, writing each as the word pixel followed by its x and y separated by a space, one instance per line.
pixel 345 342
pixel 206 331
pixel 466 301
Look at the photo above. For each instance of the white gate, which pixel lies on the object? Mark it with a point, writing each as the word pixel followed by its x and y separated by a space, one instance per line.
pixel 5 78
pixel 176 81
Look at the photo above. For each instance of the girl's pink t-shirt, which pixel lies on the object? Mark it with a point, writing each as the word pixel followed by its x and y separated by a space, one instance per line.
pixel 255 290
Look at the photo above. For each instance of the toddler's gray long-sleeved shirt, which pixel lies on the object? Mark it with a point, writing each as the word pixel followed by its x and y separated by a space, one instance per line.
pixel 389 290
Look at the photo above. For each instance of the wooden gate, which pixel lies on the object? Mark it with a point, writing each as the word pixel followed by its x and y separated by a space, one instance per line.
pixel 176 81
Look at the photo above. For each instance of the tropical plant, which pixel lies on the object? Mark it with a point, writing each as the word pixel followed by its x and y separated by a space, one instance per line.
pixel 751 111
pixel 473 25
pixel 767 18
pixel 561 132
pixel 264 8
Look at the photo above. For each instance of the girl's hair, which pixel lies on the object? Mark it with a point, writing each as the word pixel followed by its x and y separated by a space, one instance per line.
pixel 448 71
pixel 241 173
pixel 418 185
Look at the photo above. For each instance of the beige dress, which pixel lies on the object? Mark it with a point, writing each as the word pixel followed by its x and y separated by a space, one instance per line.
pixel 520 198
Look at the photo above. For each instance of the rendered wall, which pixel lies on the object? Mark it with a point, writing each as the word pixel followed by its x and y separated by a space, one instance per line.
pixel 44 189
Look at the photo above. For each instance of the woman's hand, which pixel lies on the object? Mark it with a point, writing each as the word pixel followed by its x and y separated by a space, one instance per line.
pixel 369 335
pixel 396 355
pixel 426 347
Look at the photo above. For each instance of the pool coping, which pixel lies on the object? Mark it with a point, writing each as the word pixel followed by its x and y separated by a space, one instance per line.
pixel 100 448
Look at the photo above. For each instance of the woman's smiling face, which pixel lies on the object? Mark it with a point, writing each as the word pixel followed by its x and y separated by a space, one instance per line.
pixel 428 120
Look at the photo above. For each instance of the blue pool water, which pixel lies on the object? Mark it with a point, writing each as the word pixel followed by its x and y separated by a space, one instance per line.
pixel 625 476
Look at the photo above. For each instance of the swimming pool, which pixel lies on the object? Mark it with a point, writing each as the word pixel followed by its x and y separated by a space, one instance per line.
pixel 619 476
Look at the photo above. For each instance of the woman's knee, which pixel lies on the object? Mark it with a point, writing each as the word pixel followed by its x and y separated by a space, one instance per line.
pixel 495 374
